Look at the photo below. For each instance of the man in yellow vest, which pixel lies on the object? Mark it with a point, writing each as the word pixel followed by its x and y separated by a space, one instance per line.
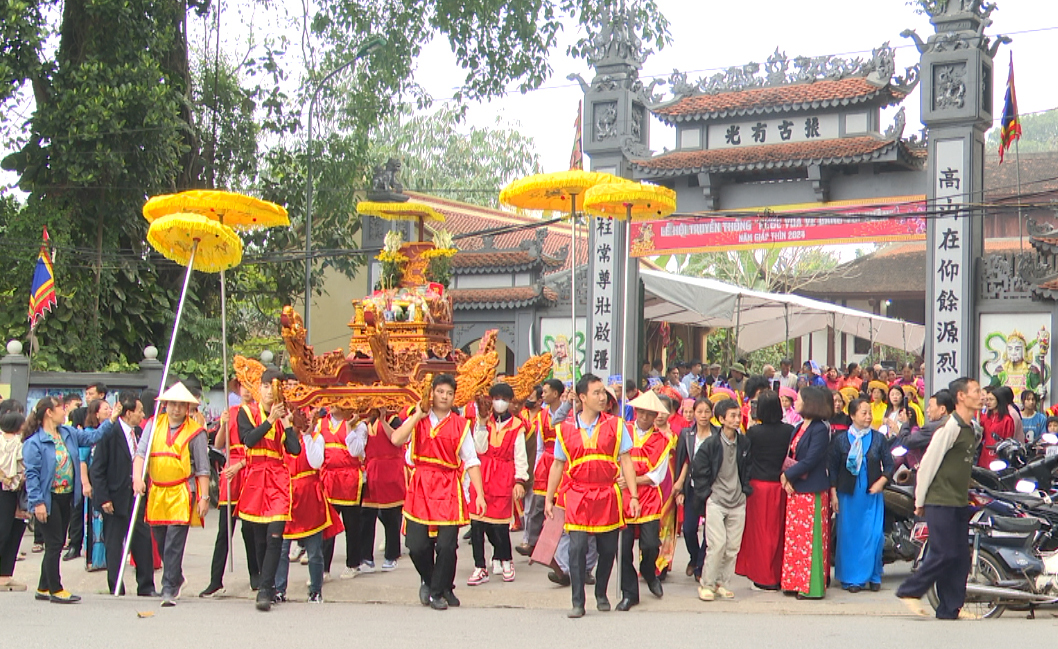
pixel 178 470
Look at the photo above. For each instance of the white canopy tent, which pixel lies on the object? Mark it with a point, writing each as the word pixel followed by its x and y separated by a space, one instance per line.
pixel 762 319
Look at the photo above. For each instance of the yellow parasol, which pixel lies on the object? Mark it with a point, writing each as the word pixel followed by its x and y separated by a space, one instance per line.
pixel 625 200
pixel 237 211
pixel 631 201
pixel 408 211
pixel 200 243
pixel 197 242
pixel 558 192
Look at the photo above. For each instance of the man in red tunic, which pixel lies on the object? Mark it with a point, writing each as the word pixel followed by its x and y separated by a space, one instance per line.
pixel 312 517
pixel 441 449
pixel 596 448
pixel 344 438
pixel 230 483
pixel 650 456
pixel 264 504
pixel 499 440
pixel 384 491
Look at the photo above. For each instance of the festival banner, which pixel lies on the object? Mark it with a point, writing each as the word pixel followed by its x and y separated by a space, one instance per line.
pixel 877 220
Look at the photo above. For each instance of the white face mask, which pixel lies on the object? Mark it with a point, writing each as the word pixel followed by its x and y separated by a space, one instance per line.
pixel 500 406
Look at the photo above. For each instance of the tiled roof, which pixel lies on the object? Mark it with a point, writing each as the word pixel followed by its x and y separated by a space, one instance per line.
pixel 894 269
pixel 470 261
pixel 770 156
pixel 754 101
pixel 502 298
pixel 461 218
pixel 1039 173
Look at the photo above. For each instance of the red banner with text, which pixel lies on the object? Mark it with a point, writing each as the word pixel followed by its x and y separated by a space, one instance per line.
pixel 875 221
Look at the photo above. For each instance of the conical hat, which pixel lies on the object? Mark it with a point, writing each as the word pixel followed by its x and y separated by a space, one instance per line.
pixel 648 401
pixel 178 393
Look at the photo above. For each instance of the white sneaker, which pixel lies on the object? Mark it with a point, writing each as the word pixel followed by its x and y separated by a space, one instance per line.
pixel 350 573
pixel 367 567
pixel 326 576
pixel 389 566
pixel 497 567
pixel 295 552
pixel 508 571
pixel 305 559
pixel 478 577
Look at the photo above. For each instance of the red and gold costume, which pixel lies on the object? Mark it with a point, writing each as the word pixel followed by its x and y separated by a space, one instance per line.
pixel 498 472
pixel 386 480
pixel 546 435
pixel 649 450
pixel 169 500
pixel 265 496
pixel 342 473
pixel 592 499
pixel 236 454
pixel 310 510
pixel 435 493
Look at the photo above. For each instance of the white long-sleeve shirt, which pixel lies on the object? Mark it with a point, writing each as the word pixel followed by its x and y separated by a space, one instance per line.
pixel 355 439
pixel 313 449
pixel 658 474
pixel 521 461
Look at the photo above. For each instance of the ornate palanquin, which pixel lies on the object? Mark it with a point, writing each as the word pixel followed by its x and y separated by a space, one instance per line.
pixel 401 338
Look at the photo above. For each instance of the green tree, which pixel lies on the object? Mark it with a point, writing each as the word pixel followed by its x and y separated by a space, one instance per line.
pixel 1039 133
pixel 763 269
pixel 118 116
pixel 444 157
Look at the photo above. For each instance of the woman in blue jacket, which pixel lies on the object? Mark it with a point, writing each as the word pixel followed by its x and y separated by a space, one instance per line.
pixel 51 453
pixel 806 547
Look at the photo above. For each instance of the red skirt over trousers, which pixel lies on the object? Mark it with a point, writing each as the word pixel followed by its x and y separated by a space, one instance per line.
pixel 760 559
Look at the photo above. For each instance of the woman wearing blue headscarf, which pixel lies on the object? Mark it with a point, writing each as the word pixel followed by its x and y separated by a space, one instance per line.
pixel 860 467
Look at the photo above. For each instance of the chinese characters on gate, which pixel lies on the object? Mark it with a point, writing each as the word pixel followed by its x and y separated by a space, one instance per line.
pixel 776 130
pixel 604 296
pixel 948 270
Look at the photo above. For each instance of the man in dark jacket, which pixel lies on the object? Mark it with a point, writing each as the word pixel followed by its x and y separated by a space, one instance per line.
pixel 111 474
pixel 721 479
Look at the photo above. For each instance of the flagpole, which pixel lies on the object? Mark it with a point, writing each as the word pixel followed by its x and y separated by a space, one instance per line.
pixel 1017 166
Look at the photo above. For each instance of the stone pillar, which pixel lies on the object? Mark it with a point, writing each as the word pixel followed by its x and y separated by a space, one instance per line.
pixel 152 368
pixel 616 126
pixel 14 373
pixel 957 91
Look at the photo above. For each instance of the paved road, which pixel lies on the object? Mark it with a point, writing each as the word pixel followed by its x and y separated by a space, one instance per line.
pixel 233 623
pixel 379 603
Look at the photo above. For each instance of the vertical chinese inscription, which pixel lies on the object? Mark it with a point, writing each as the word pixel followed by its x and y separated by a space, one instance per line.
pixel 604 268
pixel 949 229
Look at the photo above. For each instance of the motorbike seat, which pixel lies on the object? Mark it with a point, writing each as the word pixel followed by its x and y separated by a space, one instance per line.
pixel 1028 500
pixel 1015 525
pixel 907 490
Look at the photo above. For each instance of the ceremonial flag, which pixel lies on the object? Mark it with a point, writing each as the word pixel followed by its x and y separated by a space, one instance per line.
pixel 1010 127
pixel 42 294
pixel 576 159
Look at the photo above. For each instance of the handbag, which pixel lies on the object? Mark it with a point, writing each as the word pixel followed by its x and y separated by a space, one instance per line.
pixel 790 460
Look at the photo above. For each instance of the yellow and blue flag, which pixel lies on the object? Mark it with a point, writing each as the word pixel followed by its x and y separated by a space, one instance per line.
pixel 42 294
pixel 1010 126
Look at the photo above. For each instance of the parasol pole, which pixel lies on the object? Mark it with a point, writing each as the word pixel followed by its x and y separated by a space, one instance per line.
pixel 573 283
pixel 157 407
pixel 227 433
pixel 625 311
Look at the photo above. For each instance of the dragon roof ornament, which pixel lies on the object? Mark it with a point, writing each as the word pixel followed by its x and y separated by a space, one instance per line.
pixel 780 69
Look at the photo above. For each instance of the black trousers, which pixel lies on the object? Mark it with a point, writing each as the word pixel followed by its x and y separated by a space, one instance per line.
pixel 351 519
pixel 75 529
pixel 692 512
pixel 54 531
pixel 947 561
pixel 390 518
pixel 434 557
pixel 649 546
pixel 268 541
pixel 606 542
pixel 499 536
pixel 11 530
pixel 115 527
pixel 220 547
